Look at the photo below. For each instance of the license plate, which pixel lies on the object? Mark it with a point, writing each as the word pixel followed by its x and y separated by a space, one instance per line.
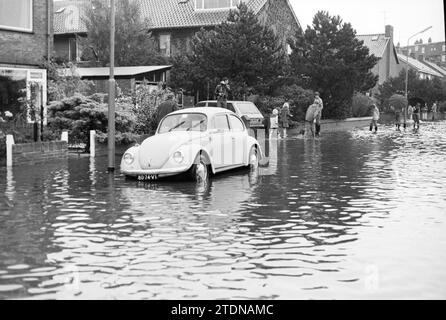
pixel 142 177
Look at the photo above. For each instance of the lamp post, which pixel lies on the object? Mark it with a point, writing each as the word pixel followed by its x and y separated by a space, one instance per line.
pixel 407 57
pixel 111 94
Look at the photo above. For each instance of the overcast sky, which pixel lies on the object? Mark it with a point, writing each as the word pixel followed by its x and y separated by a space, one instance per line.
pixel 368 17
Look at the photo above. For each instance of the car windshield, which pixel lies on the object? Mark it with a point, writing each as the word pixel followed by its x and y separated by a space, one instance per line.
pixel 248 108
pixel 183 122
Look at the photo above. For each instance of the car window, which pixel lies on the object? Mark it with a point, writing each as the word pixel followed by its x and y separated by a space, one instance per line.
pixel 201 104
pixel 236 124
pixel 221 122
pixel 212 104
pixel 248 108
pixel 231 107
pixel 183 122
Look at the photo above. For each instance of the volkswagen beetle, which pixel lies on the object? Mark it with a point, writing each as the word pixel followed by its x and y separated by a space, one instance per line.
pixel 195 142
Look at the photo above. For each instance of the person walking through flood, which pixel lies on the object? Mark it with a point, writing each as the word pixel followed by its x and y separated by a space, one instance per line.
pixel 398 116
pixel 310 117
pixel 434 110
pixel 416 117
pixel 284 117
pixel 318 101
pixel 274 124
pixel 375 117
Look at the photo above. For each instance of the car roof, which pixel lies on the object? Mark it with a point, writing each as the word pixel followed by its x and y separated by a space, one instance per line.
pixel 229 101
pixel 209 111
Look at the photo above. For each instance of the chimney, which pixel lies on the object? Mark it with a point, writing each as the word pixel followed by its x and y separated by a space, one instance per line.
pixel 390 48
pixel 389 32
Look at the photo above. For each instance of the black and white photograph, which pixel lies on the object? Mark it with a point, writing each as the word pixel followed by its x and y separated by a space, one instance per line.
pixel 222 150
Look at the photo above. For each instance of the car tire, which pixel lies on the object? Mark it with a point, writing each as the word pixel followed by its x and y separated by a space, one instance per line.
pixel 253 160
pixel 199 171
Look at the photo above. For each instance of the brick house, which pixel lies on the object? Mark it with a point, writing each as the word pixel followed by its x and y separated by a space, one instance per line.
pixel 68 28
pixel 26 39
pixel 423 70
pixel 381 46
pixel 431 51
pixel 173 22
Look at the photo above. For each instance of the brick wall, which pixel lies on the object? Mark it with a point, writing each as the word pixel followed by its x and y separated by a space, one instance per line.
pixel 31 153
pixel 22 48
pixel 278 16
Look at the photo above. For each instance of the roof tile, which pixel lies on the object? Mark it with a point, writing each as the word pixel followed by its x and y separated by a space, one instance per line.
pixel 376 43
pixel 418 65
pixel 161 14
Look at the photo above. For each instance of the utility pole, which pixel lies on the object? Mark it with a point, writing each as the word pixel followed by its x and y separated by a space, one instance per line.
pixel 111 93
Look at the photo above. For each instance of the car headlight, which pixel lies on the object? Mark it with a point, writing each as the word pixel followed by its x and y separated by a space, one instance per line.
pixel 178 157
pixel 128 158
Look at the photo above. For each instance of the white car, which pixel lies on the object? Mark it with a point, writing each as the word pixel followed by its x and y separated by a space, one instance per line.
pixel 196 142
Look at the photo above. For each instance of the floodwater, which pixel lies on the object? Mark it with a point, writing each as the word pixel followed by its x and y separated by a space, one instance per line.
pixel 351 215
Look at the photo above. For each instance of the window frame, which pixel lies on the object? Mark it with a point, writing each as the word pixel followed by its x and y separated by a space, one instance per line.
pixel 168 49
pixel 202 8
pixel 27 30
pixel 221 130
pixel 232 116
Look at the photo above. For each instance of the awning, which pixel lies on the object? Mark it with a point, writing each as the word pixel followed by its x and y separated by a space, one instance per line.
pixel 104 72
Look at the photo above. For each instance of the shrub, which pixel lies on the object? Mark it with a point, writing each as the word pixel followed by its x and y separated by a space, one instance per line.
pixel 361 105
pixel 79 114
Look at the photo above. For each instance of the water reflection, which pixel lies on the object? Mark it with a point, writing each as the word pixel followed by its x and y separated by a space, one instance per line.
pixel 345 216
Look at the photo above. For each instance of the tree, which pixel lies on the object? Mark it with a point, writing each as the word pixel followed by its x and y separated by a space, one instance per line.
pixel 133 43
pixel 62 86
pixel 243 50
pixel 428 90
pixel 336 62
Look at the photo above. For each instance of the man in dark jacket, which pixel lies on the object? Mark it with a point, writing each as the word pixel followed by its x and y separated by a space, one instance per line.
pixel 166 107
pixel 221 92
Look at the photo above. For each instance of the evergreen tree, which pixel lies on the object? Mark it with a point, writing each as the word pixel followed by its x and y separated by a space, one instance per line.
pixel 133 44
pixel 335 61
pixel 243 50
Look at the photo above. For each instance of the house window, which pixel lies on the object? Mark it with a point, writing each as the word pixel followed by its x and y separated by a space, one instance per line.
pixel 443 58
pixel 443 48
pixel 416 48
pixel 16 15
pixel 422 50
pixel 216 4
pixel 18 86
pixel 165 44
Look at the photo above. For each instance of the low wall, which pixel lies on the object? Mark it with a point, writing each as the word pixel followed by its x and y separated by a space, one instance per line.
pixel 37 152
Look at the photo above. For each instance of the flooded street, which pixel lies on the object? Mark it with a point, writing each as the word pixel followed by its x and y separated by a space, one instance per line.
pixel 351 215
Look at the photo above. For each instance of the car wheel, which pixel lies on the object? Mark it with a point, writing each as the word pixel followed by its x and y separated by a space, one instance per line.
pixel 200 169
pixel 253 160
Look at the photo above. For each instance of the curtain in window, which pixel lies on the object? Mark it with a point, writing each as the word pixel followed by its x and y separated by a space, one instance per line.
pixel 15 14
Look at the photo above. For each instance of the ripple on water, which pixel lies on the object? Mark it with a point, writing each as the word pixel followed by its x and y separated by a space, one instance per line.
pixel 317 224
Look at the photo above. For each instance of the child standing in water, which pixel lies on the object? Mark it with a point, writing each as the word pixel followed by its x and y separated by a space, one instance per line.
pixel 416 117
pixel 375 117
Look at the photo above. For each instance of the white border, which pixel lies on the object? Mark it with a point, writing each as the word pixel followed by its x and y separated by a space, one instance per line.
pixel 30 30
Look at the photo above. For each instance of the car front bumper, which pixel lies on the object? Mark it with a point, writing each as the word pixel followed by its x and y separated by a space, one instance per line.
pixel 158 172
